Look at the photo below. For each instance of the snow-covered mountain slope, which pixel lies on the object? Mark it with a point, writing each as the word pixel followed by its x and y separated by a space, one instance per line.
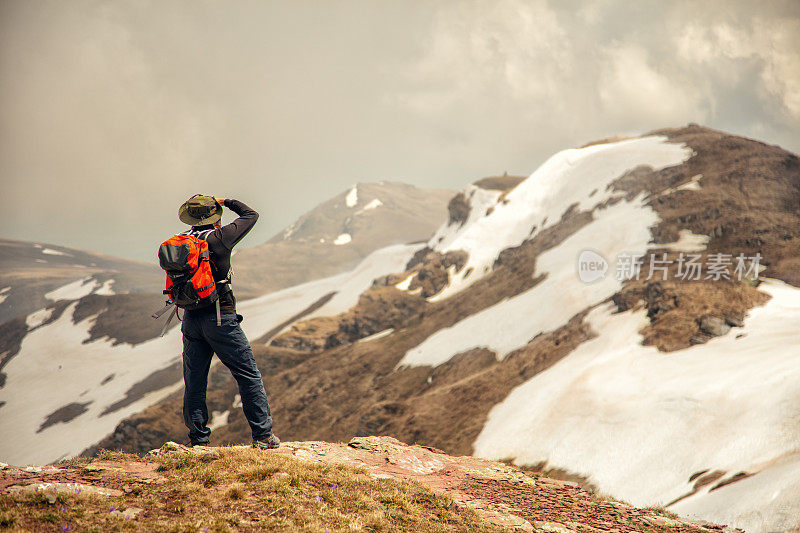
pixel 33 275
pixel 56 405
pixel 572 179
pixel 645 426
pixel 565 181
pixel 337 234
pixel 523 332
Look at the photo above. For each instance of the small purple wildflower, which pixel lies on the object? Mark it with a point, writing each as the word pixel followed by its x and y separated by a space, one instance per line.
pixel 334 486
pixel 66 528
pixel 205 530
pixel 319 498
pixel 78 490
pixel 112 509
pixel 63 509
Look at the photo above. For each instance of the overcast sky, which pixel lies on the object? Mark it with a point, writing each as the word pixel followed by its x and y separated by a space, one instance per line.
pixel 113 113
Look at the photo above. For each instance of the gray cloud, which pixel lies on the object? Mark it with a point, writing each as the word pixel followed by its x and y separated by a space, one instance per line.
pixel 111 113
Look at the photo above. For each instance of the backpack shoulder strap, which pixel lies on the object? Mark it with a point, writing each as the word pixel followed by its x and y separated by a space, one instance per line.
pixel 202 234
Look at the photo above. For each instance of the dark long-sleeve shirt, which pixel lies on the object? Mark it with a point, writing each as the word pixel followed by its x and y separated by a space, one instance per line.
pixel 220 244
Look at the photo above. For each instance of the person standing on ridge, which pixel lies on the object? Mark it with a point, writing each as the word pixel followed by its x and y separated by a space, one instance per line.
pixel 204 334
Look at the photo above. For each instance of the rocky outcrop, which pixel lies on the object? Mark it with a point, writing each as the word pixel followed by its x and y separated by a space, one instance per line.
pixel 121 489
pixel 458 209
pixel 378 309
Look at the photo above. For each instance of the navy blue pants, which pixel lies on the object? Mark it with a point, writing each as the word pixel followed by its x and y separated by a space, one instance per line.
pixel 202 338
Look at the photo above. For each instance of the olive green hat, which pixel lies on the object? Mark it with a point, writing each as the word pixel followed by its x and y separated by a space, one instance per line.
pixel 200 210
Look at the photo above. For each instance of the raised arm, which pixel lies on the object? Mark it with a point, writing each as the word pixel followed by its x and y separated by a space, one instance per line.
pixel 234 232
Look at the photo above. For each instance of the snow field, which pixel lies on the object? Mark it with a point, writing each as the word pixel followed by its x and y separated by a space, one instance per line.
pixel 566 179
pixel 638 422
pixel 513 322
pixel 569 177
pixel 40 382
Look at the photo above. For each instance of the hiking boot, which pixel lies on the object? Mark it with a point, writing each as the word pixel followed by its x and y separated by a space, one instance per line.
pixel 267 443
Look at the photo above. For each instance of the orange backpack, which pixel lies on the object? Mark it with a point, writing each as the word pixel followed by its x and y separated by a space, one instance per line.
pixel 190 283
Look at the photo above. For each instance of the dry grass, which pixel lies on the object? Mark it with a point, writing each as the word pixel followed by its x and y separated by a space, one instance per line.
pixel 245 490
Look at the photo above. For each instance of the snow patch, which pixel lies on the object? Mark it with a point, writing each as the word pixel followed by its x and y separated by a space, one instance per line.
pixel 688 242
pixel 691 185
pixel 50 251
pixel 38 318
pixel 514 321
pixel 403 285
pixel 639 422
pixel 343 238
pixel 41 261
pixel 4 292
pixel 352 197
pixel 105 289
pixel 372 205
pixel 378 335
pixel 237 402
pixel 74 290
pixel 567 178
pixel 218 419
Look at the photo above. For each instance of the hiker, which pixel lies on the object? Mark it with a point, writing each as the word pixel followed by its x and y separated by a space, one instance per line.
pixel 215 328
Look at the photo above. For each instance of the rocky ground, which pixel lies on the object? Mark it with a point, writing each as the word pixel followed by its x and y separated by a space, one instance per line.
pixel 116 489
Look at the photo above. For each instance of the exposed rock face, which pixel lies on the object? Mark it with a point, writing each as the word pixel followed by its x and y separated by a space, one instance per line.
pixel 379 308
pixel 433 273
pixel 675 308
pixel 714 325
pixel 458 208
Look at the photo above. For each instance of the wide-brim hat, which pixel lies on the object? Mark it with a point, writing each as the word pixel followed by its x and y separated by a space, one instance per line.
pixel 200 210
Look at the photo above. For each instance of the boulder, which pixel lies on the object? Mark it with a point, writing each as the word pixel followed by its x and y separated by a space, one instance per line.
pixel 714 325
